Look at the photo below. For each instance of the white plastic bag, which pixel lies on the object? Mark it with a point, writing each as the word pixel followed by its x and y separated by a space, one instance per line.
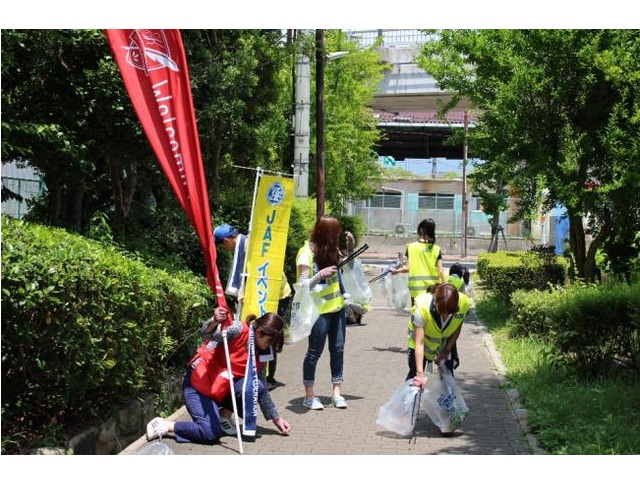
pixel 155 448
pixel 443 401
pixel 399 414
pixel 304 313
pixel 355 284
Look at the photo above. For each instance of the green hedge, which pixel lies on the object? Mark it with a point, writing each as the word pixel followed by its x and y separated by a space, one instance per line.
pixel 503 273
pixel 85 327
pixel 596 328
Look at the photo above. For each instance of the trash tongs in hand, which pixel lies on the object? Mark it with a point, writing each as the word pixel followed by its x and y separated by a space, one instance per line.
pixel 385 272
pixel 353 255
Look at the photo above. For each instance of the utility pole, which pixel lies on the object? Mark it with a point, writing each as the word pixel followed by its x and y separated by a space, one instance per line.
pixel 320 59
pixel 302 130
pixel 465 205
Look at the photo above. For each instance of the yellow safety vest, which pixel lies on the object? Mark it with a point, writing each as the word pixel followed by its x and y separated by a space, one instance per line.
pixel 285 288
pixel 435 338
pixel 456 281
pixel 423 270
pixel 327 295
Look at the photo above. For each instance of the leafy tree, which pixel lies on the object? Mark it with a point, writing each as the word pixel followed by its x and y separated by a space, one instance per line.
pixel 616 183
pixel 67 114
pixel 557 112
pixel 242 107
pixel 351 162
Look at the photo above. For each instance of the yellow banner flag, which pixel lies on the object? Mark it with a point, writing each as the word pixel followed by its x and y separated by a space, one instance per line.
pixel 267 244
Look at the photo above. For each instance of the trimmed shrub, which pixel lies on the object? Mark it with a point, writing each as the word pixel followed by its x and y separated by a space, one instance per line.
pixel 596 328
pixel 505 272
pixel 85 327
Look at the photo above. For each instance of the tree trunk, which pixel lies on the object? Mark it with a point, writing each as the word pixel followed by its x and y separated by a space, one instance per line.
pixel 214 178
pixel 495 223
pixel 590 260
pixel 577 242
pixel 55 202
pixel 124 187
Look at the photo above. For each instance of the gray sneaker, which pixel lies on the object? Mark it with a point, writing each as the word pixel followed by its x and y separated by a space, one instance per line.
pixel 313 403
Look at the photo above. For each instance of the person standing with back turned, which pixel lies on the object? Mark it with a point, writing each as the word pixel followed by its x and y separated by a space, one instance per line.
pixel 316 264
pixel 424 260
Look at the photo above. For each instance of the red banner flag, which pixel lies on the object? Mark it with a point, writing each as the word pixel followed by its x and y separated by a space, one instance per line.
pixel 154 69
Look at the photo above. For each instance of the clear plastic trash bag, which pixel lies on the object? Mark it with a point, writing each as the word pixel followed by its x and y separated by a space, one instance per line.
pixel 443 402
pixel 355 283
pixel 397 288
pixel 155 448
pixel 399 414
pixel 304 313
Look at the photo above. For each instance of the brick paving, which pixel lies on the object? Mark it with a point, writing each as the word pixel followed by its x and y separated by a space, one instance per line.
pixel 375 365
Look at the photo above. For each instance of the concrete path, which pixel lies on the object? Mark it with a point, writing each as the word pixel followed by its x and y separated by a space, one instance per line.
pixel 375 365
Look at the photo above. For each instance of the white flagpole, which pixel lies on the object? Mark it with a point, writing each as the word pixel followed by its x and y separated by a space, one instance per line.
pixel 239 316
pixel 233 391
pixel 243 277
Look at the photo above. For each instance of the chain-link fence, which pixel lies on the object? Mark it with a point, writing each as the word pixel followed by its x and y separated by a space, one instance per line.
pixel 390 214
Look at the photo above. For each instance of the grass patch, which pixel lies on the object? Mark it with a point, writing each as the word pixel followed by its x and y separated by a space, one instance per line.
pixel 568 414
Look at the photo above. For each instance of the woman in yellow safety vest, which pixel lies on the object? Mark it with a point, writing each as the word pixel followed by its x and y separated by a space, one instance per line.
pixel 316 264
pixel 424 260
pixel 434 328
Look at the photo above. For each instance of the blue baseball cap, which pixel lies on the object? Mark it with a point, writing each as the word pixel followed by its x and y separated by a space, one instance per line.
pixel 224 231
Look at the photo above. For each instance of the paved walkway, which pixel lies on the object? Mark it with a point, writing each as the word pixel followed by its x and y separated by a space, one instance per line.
pixel 375 365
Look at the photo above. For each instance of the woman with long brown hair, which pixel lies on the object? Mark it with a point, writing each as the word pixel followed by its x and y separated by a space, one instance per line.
pixel 316 264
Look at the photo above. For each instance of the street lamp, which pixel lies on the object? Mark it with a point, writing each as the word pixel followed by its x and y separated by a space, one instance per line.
pixel 402 194
pixel 319 123
pixel 465 202
pixel 335 55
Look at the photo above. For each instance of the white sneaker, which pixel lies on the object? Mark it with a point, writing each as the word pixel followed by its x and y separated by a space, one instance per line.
pixel 313 403
pixel 339 402
pixel 157 428
pixel 227 426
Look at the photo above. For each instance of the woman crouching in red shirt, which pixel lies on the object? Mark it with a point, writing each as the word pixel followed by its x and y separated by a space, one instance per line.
pixel 206 387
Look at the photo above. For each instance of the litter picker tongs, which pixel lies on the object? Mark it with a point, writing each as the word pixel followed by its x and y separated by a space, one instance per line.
pixel 352 256
pixel 384 273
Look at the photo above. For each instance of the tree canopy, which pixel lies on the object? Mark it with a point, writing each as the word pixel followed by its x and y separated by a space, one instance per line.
pixel 558 115
pixel 66 112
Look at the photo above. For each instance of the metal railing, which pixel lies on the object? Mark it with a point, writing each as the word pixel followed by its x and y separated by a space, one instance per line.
pixel 390 38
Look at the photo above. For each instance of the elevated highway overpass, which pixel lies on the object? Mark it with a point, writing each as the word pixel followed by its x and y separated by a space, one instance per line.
pixel 407 99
